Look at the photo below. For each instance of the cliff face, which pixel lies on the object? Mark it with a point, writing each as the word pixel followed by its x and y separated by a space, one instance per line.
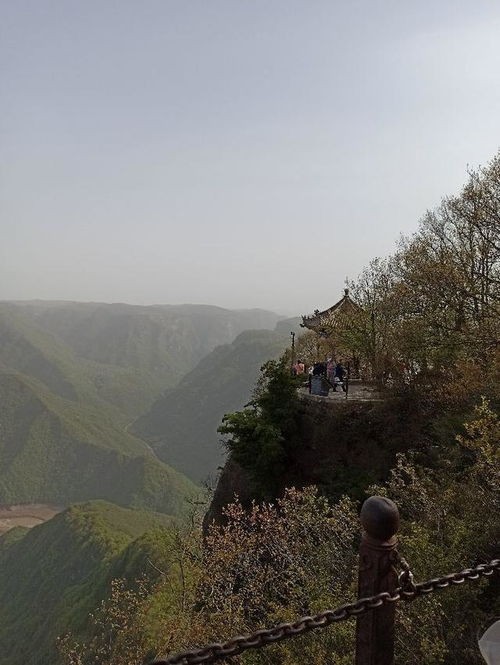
pixel 342 446
pixel 233 482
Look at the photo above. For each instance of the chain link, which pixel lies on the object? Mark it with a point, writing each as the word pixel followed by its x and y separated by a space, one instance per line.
pixel 407 590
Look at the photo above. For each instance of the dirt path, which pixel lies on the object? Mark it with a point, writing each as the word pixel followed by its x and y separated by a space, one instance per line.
pixel 28 515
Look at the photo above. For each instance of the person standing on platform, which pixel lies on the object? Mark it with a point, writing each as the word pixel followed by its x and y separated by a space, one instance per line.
pixel 339 375
pixel 330 370
pixel 300 368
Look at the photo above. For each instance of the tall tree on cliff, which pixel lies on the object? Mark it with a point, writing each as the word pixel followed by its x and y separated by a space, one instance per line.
pixel 432 311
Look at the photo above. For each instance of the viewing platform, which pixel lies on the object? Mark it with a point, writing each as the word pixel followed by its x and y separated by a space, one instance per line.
pixel 357 392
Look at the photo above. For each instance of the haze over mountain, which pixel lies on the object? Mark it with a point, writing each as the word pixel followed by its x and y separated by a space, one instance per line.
pixel 72 378
pixel 193 152
pixel 123 353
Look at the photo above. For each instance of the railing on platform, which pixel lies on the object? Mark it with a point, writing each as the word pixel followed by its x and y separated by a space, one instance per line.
pixel 380 588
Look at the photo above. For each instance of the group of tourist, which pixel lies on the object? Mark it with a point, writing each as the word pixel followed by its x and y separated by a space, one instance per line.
pixel 335 373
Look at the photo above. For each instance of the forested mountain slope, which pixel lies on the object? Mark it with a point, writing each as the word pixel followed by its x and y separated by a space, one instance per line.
pixel 72 378
pixel 53 575
pixel 115 356
pixel 181 426
pixel 53 450
pixel 27 349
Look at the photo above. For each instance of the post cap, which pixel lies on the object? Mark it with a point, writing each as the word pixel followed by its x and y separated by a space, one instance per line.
pixel 380 518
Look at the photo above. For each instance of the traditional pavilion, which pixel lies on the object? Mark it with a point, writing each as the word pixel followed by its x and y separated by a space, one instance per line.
pixel 329 323
pixel 320 322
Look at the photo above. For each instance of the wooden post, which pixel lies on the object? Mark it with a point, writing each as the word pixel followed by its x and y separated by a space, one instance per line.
pixel 375 630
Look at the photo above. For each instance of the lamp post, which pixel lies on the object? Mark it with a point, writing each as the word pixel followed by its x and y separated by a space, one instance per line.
pixel 292 335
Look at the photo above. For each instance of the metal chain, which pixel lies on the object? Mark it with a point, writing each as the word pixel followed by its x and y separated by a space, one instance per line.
pixel 260 638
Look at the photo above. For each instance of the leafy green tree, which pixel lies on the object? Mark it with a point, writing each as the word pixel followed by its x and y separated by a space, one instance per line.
pixel 433 308
pixel 257 436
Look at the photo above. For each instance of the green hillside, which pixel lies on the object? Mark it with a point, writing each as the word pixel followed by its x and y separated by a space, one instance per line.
pixel 181 426
pixel 53 575
pixel 56 451
pixel 73 376
pixel 118 391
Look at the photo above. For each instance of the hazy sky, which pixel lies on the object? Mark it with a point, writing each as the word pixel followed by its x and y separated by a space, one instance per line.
pixel 240 153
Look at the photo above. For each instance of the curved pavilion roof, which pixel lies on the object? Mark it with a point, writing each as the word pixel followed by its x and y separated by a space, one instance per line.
pixel 318 320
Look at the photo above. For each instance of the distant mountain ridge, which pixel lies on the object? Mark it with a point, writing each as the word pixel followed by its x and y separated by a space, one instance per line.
pixel 148 337
pixel 124 355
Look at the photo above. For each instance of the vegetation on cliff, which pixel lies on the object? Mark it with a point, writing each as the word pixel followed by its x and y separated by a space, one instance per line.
pixel 429 316
pixel 259 436
pixel 427 330
pixel 297 556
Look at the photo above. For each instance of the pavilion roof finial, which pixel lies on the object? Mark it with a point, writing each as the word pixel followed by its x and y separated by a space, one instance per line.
pixel 346 282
